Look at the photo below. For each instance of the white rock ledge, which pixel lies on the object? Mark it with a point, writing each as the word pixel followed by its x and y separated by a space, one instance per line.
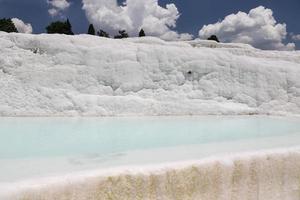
pixel 59 75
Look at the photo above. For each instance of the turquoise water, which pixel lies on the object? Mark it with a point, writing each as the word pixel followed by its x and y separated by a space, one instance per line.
pixel 53 137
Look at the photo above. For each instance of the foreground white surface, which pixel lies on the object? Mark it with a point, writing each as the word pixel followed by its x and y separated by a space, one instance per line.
pixel 61 75
pixel 269 175
pixel 253 157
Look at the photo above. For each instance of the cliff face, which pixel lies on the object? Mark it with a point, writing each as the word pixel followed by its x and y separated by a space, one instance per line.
pixel 58 75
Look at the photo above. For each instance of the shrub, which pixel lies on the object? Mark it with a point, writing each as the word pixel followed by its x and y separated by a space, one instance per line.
pixel 142 33
pixel 7 25
pixel 122 34
pixel 60 27
pixel 102 33
pixel 213 37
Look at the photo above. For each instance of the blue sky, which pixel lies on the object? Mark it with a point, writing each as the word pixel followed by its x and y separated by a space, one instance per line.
pixel 194 13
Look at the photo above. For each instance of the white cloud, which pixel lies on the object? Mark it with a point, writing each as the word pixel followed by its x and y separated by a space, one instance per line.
pixel 258 28
pixel 53 12
pixel 21 26
pixel 295 37
pixel 134 15
pixel 57 6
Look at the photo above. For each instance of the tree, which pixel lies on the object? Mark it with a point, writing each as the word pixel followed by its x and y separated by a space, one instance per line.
pixel 102 33
pixel 69 27
pixel 91 30
pixel 7 25
pixel 142 33
pixel 122 34
pixel 60 27
pixel 213 37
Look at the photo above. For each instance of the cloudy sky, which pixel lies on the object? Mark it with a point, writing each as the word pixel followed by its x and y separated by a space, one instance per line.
pixel 265 24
